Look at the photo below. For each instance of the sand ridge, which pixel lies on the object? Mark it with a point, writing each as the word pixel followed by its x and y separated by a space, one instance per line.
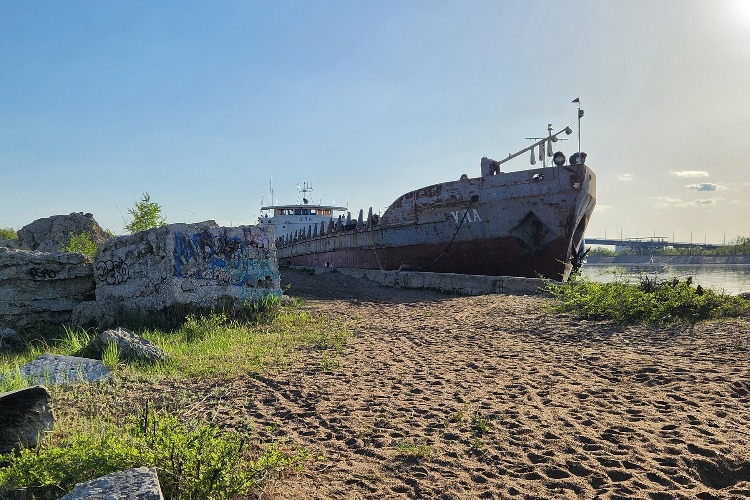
pixel 438 396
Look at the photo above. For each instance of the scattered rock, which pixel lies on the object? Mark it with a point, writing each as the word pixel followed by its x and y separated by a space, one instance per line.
pixel 26 415
pixel 9 338
pixel 141 483
pixel 51 234
pixel 40 287
pixel 53 369
pixel 132 345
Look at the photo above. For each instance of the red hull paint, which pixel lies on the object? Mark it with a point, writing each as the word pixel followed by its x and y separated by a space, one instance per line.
pixel 462 258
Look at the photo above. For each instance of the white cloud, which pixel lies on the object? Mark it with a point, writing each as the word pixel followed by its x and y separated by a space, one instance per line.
pixel 600 208
pixel 625 177
pixel 689 173
pixel 705 186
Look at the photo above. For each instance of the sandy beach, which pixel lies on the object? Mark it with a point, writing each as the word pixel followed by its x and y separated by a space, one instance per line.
pixel 439 396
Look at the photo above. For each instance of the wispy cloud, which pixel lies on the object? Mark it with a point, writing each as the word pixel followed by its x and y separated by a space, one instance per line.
pixel 600 208
pixel 705 186
pixel 689 173
pixel 705 202
pixel 625 177
pixel 667 201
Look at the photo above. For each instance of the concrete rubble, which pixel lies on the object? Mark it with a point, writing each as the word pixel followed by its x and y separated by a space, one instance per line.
pixel 52 369
pixel 196 265
pixel 141 483
pixel 132 346
pixel 51 234
pixel 26 414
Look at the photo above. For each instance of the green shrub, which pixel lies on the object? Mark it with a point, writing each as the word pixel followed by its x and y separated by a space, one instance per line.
pixel 671 301
pixel 81 243
pixel 8 233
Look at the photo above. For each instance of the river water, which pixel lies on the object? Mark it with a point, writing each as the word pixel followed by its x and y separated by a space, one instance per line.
pixel 731 278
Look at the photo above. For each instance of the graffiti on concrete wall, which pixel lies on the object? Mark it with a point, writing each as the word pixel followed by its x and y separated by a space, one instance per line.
pixel 112 272
pixel 238 257
pixel 43 274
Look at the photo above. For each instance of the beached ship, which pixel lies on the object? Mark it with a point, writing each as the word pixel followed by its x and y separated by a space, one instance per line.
pixel 525 223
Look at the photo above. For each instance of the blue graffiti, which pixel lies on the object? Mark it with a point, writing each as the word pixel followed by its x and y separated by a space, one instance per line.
pixel 227 259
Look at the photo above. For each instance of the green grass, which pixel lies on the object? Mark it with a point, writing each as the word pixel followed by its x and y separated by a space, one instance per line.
pixel 96 433
pixel 193 459
pixel 650 301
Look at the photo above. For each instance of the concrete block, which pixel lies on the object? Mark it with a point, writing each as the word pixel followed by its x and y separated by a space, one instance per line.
pixel 201 265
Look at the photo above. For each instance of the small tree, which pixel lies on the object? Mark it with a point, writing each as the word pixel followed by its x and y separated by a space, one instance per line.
pixel 8 233
pixel 146 215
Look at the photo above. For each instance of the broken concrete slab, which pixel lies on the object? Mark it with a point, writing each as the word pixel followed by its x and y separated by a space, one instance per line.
pixel 53 369
pixel 141 483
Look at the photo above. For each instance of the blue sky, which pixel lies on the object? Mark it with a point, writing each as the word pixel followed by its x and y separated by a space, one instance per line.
pixel 201 104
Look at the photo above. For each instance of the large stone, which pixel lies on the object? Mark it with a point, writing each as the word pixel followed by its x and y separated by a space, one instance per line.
pixel 131 345
pixel 51 234
pixel 26 415
pixel 133 484
pixel 51 369
pixel 200 265
pixel 41 287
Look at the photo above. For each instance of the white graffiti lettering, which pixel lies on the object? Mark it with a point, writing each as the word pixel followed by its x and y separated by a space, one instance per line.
pixel 466 215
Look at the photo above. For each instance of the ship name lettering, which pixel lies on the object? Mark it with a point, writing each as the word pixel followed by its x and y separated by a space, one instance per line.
pixel 470 216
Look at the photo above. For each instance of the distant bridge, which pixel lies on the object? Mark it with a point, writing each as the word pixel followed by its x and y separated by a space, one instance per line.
pixel 643 245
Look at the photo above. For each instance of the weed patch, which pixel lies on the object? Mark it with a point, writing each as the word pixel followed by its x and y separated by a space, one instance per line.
pixel 671 301
pixel 193 459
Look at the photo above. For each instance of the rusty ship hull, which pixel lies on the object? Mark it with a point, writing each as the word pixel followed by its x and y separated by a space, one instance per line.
pixel 528 223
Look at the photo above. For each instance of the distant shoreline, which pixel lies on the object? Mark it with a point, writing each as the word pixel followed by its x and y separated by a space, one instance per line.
pixel 724 260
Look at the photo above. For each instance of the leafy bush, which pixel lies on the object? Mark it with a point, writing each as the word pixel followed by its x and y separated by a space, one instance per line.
pixel 8 233
pixel 649 302
pixel 193 459
pixel 81 243
pixel 146 215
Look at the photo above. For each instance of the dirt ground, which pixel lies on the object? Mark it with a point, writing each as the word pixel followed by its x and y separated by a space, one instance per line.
pixel 439 396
